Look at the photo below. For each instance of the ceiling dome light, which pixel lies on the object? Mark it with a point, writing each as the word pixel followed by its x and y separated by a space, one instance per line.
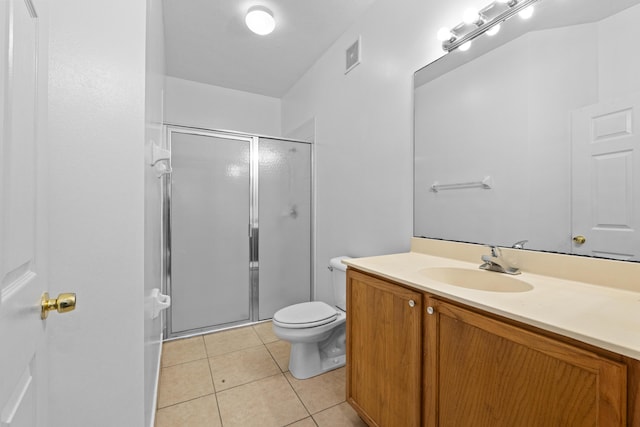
pixel 260 20
pixel 526 13
pixel 493 30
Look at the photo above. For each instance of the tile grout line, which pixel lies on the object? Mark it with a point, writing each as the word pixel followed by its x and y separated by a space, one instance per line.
pixel 300 399
pixel 213 384
pixel 259 336
pixel 184 363
pixel 236 351
pixel 204 345
pixel 297 395
pixel 274 359
pixel 185 401
pixel 324 409
pixel 302 419
pixel 250 382
pixel 160 385
pixel 280 369
pixel 329 407
pixel 264 347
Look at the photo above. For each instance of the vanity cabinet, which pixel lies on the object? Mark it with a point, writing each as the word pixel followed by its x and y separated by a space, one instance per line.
pixel 417 360
pixel 484 372
pixel 384 351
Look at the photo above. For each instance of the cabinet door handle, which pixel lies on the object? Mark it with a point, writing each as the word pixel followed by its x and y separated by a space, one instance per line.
pixel 412 303
pixel 430 310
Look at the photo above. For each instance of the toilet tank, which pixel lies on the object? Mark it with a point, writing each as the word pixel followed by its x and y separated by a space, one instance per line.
pixel 339 281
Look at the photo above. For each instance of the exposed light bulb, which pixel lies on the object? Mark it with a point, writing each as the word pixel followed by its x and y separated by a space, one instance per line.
pixel 260 20
pixel 465 46
pixel 444 34
pixel 493 30
pixel 526 13
pixel 470 16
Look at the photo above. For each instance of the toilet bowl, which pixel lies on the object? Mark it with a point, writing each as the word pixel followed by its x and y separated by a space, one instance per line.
pixel 316 330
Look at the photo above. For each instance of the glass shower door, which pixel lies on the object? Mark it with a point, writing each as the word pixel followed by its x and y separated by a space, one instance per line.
pixel 210 213
pixel 284 247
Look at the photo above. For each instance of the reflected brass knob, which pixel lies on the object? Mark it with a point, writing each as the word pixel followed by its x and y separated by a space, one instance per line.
pixel 64 303
pixel 579 240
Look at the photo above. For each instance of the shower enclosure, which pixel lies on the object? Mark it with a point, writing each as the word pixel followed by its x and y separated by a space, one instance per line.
pixel 237 217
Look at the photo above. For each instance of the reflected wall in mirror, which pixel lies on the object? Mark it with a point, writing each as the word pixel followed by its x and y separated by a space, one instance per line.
pixel 549 110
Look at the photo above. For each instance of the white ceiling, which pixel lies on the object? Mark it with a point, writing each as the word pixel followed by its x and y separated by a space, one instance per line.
pixel 207 41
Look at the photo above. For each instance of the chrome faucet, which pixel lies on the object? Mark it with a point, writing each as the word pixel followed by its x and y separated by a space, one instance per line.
pixel 519 245
pixel 496 262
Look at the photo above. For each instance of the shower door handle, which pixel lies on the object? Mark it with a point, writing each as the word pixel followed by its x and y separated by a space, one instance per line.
pixel 253 246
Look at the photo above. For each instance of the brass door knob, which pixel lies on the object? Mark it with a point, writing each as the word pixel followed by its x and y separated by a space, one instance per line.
pixel 64 303
pixel 579 240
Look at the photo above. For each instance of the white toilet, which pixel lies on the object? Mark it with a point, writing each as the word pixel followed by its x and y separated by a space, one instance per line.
pixel 316 330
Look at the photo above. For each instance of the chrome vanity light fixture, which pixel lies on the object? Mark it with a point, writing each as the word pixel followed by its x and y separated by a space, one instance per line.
pixel 487 20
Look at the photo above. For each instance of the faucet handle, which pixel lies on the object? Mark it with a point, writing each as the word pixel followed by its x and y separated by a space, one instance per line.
pixel 519 244
pixel 495 250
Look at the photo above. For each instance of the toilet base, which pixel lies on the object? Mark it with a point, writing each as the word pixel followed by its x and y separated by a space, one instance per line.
pixel 307 360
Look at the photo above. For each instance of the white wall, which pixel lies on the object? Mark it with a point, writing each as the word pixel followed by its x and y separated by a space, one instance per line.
pixel 363 129
pixel 196 104
pixel 619 63
pixel 155 64
pixel 96 142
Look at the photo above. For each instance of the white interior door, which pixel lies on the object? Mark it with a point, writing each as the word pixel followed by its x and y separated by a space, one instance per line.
pixel 23 345
pixel 606 179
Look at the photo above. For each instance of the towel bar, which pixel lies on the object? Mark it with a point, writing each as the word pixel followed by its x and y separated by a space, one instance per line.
pixel 486 184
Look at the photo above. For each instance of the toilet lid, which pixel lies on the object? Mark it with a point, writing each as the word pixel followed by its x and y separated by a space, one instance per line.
pixel 305 315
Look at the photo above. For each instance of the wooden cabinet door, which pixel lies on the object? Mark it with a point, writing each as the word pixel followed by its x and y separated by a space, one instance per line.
pixel 384 351
pixel 483 372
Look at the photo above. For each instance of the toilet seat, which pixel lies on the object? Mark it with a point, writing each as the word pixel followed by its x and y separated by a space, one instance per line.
pixel 305 315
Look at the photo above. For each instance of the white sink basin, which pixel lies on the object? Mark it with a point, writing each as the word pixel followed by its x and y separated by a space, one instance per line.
pixel 476 279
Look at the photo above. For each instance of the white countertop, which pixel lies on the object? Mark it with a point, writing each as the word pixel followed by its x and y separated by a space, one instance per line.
pixel 603 316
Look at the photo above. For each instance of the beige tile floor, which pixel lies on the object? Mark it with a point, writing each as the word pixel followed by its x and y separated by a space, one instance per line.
pixel 240 378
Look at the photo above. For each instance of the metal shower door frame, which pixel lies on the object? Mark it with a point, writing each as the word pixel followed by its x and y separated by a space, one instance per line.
pixel 252 222
pixel 253 225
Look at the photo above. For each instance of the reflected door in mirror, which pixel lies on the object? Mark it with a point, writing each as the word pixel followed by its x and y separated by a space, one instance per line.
pixel 605 171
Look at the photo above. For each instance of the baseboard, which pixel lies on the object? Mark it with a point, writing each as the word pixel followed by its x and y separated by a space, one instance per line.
pixel 154 406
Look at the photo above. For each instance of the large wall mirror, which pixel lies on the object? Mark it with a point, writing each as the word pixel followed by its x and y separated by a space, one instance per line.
pixel 534 134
